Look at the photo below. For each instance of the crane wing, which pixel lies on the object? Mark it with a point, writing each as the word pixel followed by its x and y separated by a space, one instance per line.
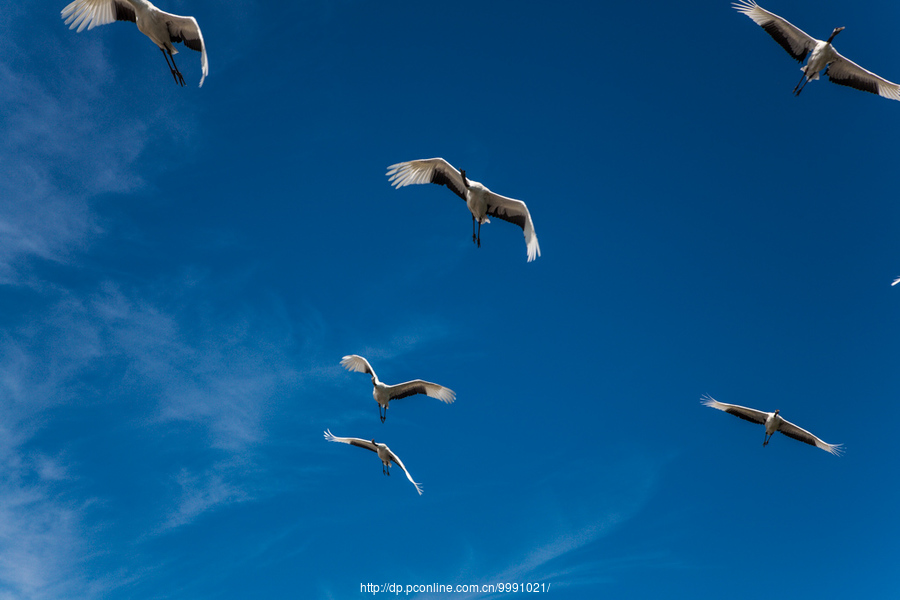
pixel 396 459
pixel 515 211
pixel 748 414
pixel 90 13
pixel 793 39
pixel 428 170
pixel 802 435
pixel 358 364
pixel 418 386
pixel 185 29
pixel 352 441
pixel 844 71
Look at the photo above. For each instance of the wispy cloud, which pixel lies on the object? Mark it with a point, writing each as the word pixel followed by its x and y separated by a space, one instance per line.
pixel 220 374
pixel 43 545
pixel 41 540
pixel 202 492
pixel 192 370
pixel 405 338
pixel 556 544
pixel 59 149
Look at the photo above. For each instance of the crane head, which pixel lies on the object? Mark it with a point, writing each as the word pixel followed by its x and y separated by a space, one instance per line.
pixel 836 31
pixel 465 180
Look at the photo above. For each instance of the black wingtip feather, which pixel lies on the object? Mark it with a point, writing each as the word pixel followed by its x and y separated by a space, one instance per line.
pixel 412 391
pixel 124 13
pixel 744 416
pixel 500 213
pixel 441 178
pixel 859 84
pixel 783 41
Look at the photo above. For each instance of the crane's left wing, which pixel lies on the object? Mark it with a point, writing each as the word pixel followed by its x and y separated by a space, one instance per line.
pixel 396 459
pixel 418 386
pixel 185 29
pixel 516 212
pixel 802 435
pixel 90 13
pixel 844 71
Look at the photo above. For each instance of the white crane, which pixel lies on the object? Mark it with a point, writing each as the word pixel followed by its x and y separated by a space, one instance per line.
pixel 161 27
pixel 384 453
pixel 773 422
pixel 822 55
pixel 384 393
pixel 480 200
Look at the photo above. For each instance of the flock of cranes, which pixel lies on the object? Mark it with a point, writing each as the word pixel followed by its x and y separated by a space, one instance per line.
pixel 383 394
pixel 166 29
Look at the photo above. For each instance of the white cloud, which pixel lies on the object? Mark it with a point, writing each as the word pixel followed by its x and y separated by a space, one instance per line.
pixel 202 492
pixel 59 148
pixel 42 545
pixel 551 550
pixel 142 354
pixel 220 374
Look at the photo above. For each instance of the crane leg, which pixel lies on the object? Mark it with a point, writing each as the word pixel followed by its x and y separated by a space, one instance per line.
pixel 473 229
pixel 799 88
pixel 176 74
pixel 382 413
pixel 479 234
pixel 766 438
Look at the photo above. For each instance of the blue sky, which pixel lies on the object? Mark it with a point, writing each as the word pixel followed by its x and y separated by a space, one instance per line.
pixel 183 269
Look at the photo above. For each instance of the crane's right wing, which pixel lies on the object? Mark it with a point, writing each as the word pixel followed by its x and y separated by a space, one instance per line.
pixel 427 170
pixel 361 443
pixel 742 412
pixel 793 39
pixel 358 364
pixel 90 13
